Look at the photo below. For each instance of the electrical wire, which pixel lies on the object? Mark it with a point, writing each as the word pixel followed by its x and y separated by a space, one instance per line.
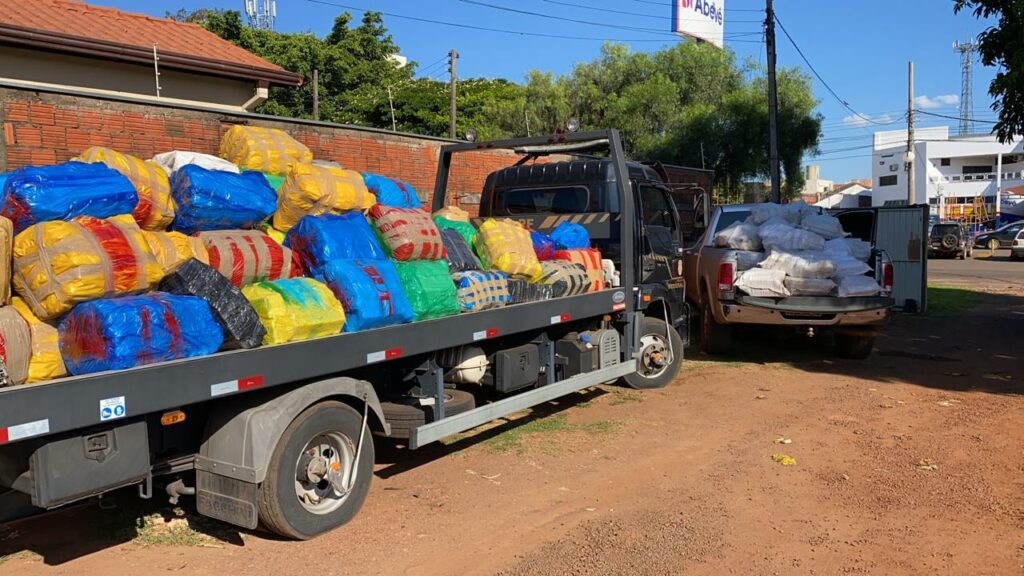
pixel 727 9
pixel 610 11
pixel 954 117
pixel 562 19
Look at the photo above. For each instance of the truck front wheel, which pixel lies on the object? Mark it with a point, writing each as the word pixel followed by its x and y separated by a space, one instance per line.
pixel 659 360
pixel 715 338
pixel 318 476
pixel 854 346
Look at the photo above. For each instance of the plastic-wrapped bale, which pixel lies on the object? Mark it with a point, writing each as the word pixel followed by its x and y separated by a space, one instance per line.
pixel 809 286
pixel 481 290
pixel 173 161
pixel 465 229
pixel 295 309
pixel 824 225
pixel 59 264
pixel 275 234
pixel 6 247
pixel 155 210
pixel 763 283
pixel 506 246
pixel 319 239
pixel 453 213
pixel 521 291
pixel 570 236
pixel 854 247
pixel 312 190
pixel 46 362
pixel 392 191
pixel 565 278
pixel 370 291
pixel 247 256
pixel 216 200
pixel 172 248
pixel 801 264
pixel 543 245
pixel 15 346
pixel 849 266
pixel 122 333
pixel 407 233
pixel 788 238
pixel 590 259
pixel 429 288
pixel 263 149
pixel 41 194
pixel 237 318
pixel 275 181
pixel 856 286
pixel 459 255
pixel 739 236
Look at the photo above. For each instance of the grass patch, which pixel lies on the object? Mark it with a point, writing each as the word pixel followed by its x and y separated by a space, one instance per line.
pixel 946 300
pixel 514 439
pixel 19 555
pixel 154 530
pixel 620 397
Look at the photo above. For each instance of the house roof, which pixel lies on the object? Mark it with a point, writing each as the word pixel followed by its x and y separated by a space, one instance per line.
pixel 71 26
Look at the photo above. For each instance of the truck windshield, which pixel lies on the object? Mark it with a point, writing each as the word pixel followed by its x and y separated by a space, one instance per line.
pixel 560 200
pixel 726 219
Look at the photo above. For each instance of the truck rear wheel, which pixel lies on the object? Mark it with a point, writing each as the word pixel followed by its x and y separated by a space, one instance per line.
pixel 715 338
pixel 310 488
pixel 854 347
pixel 657 366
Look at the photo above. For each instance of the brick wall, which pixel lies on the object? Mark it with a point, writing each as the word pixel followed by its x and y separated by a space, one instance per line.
pixel 44 128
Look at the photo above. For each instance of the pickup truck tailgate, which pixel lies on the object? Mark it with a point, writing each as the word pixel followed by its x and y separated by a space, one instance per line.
pixel 817 304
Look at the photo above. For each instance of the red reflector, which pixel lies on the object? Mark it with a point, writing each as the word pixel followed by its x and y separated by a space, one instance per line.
pixel 565 317
pixel 492 332
pixel 725 276
pixel 392 353
pixel 887 277
pixel 250 382
pixel 4 437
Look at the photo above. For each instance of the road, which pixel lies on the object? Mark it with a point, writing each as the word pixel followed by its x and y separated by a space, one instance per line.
pixel 997 269
pixel 908 463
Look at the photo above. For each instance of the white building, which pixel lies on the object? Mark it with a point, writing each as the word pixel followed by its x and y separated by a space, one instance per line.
pixel 814 185
pixel 950 171
pixel 851 195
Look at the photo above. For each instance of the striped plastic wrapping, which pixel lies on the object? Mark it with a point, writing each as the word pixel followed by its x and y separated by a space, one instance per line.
pixel 318 240
pixel 311 190
pixel 59 264
pixel 295 309
pixel 459 255
pixel 6 246
pixel 46 362
pixel 34 194
pixel 121 333
pixel 15 346
pixel 370 291
pixel 590 259
pixel 407 233
pixel 216 200
pixel 520 291
pixel 565 278
pixel 246 256
pixel 481 290
pixel 171 249
pixel 465 229
pixel 275 234
pixel 263 149
pixel 429 288
pixel 155 210
pixel 392 191
pixel 505 245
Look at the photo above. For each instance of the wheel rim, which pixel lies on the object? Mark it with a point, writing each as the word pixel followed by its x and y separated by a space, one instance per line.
pixel 654 356
pixel 993 245
pixel 323 471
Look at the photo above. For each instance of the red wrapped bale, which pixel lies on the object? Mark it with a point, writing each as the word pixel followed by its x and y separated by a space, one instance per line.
pixel 247 256
pixel 407 233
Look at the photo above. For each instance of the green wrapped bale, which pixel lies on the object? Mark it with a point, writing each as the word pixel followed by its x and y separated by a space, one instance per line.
pixel 428 288
pixel 465 229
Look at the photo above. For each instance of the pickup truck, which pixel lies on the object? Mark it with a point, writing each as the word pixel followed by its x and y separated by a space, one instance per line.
pixel 710 272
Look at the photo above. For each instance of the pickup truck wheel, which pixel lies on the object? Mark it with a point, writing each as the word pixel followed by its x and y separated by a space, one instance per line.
pixel 656 366
pixel 314 483
pixel 715 338
pixel 854 347
pixel 403 417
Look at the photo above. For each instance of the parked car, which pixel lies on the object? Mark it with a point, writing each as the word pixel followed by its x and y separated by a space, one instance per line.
pixel 999 238
pixel 1017 250
pixel 949 240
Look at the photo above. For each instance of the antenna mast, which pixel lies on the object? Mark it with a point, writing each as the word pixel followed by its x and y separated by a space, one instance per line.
pixel 966 50
pixel 261 13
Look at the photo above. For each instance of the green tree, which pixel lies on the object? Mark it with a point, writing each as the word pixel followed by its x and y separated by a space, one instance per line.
pixel 1002 46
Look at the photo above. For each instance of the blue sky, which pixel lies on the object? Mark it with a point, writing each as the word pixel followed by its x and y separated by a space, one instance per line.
pixel 860 48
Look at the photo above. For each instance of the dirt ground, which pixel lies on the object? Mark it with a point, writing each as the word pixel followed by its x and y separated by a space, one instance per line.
pixel 908 463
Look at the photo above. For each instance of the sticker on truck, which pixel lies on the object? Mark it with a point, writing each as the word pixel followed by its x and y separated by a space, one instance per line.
pixel 26 430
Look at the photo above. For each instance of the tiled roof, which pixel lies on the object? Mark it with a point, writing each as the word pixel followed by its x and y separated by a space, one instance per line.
pixel 107 26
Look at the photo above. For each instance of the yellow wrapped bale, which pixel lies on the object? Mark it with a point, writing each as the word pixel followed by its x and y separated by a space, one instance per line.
pixel 275 234
pixel 6 245
pixel 15 346
pixel 505 245
pixel 264 149
pixel 453 213
pixel 312 190
pixel 46 363
pixel 172 248
pixel 155 210
pixel 295 309
pixel 58 264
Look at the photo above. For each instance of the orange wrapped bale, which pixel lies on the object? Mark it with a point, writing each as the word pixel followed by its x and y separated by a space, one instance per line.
pixel 247 256
pixel 590 259
pixel 171 249
pixel 312 190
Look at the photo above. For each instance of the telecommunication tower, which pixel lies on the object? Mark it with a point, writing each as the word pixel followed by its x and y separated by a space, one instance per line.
pixel 261 13
pixel 966 50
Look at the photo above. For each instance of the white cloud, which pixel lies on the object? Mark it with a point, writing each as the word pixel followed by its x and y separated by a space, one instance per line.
pixel 940 101
pixel 865 119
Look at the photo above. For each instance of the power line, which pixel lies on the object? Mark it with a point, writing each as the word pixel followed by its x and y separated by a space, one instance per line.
pixel 955 117
pixel 727 9
pixel 610 11
pixel 827 87
pixel 562 19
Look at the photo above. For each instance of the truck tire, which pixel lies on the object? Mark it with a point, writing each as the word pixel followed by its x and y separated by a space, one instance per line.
pixel 403 417
pixel 653 343
pixel 715 338
pixel 295 500
pixel 854 347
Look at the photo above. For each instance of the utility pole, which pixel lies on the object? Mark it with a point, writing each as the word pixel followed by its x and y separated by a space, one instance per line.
pixel 316 94
pixel 453 57
pixel 773 104
pixel 391 102
pixel 910 133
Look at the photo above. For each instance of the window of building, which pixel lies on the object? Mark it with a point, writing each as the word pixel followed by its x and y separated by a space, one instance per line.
pixel 887 180
pixel 944 162
pixel 977 169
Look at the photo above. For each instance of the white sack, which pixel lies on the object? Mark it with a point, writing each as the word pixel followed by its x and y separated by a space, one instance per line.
pixel 747 260
pixel 809 286
pixel 173 161
pixel 853 247
pixel 823 224
pixel 854 286
pixel 801 264
pixel 762 283
pixel 739 236
pixel 790 239
pixel 762 213
pixel 847 266
pixel 794 212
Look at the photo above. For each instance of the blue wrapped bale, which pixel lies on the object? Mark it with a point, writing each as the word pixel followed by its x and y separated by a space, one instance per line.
pixel 370 291
pixel 570 236
pixel 317 240
pixel 391 191
pixel 218 200
pixel 122 333
pixel 35 194
pixel 543 245
pixel 481 290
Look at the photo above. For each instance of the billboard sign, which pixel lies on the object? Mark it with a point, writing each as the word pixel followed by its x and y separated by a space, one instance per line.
pixel 701 19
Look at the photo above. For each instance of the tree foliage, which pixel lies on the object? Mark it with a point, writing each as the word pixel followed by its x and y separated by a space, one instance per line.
pixel 1003 46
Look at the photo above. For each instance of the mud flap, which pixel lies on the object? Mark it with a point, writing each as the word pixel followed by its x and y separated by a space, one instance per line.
pixel 227 499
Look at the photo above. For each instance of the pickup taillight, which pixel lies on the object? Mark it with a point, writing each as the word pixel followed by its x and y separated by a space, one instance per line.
pixel 887 276
pixel 726 274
